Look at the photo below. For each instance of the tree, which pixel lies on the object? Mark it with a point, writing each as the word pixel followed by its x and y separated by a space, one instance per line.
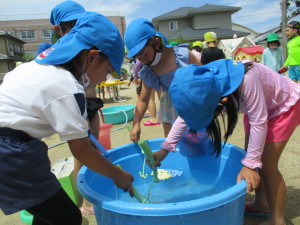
pixel 27 57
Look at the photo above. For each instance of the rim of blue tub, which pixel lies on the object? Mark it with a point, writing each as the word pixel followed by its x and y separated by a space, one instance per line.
pixel 160 209
pixel 119 108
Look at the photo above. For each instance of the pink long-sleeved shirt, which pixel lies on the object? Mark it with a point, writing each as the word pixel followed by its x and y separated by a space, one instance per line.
pixel 264 94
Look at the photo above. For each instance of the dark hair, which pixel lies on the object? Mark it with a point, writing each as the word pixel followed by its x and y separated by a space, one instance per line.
pixel 197 48
pixel 75 65
pixel 276 42
pixel 229 108
pixel 67 26
pixel 153 41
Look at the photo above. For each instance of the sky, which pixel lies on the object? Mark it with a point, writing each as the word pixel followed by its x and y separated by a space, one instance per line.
pixel 258 15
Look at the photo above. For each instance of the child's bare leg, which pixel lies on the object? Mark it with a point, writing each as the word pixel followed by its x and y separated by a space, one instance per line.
pixel 86 207
pixel 274 182
pixel 167 127
pixel 152 107
pixel 260 202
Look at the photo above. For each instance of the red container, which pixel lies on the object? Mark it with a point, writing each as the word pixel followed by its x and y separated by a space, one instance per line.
pixel 104 135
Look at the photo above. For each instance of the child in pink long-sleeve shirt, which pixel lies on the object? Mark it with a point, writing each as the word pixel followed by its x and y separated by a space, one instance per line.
pixel 271 103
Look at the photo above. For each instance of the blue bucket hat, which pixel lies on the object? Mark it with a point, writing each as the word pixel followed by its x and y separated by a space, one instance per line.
pixel 42 47
pixel 91 30
pixel 196 90
pixel 66 11
pixel 138 32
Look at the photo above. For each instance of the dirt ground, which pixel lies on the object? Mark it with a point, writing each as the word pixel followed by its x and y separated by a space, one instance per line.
pixel 288 164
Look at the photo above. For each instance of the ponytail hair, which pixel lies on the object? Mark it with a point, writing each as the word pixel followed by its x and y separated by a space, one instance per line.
pixel 230 107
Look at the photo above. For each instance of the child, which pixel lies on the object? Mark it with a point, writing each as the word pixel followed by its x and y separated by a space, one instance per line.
pixel 272 105
pixel 212 50
pixel 293 60
pixel 64 16
pixel 53 86
pixel 160 63
pixel 180 131
pixel 272 56
pixel 196 49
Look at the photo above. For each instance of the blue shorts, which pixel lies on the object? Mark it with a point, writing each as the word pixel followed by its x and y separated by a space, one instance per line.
pixel 294 72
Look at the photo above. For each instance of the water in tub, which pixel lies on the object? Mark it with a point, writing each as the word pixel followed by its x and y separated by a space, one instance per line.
pixel 181 185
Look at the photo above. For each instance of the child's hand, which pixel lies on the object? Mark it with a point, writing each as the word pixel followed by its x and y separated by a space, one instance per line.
pixel 251 176
pixel 135 133
pixel 158 157
pixel 283 69
pixel 124 182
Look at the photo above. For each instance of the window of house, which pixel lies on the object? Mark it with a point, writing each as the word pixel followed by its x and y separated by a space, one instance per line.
pixel 11 47
pixel 173 25
pixel 27 35
pixel 46 34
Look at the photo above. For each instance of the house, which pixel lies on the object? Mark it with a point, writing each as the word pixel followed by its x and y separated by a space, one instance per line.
pixel 230 46
pixel 34 30
pixel 11 50
pixel 239 27
pixel 261 39
pixel 253 53
pixel 191 23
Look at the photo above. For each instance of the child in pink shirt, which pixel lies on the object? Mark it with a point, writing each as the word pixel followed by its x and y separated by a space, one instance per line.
pixel 271 103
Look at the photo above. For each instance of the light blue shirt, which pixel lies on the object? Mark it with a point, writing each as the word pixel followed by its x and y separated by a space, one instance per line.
pixel 273 58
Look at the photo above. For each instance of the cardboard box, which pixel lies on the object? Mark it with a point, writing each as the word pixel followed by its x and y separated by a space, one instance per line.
pixel 64 171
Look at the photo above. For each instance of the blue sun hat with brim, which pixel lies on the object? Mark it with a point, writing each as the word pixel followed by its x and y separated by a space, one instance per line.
pixel 66 11
pixel 42 47
pixel 91 30
pixel 196 90
pixel 138 32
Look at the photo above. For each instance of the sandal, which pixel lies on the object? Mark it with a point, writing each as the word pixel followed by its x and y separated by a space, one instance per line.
pixel 87 211
pixel 147 114
pixel 249 211
pixel 151 123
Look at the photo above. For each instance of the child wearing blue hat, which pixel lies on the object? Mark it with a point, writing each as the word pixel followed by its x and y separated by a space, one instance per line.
pixel 63 17
pixel 53 86
pixel 146 44
pixel 272 106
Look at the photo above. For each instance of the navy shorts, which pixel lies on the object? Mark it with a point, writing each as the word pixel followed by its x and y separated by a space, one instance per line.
pixel 26 179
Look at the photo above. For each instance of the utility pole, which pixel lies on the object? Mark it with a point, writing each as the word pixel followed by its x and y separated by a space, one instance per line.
pixel 283 5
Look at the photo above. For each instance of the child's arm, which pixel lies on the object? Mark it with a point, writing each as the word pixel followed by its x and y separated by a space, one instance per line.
pixel 140 110
pixel 254 104
pixel 174 135
pixel 171 141
pixel 193 59
pixel 264 58
pixel 89 156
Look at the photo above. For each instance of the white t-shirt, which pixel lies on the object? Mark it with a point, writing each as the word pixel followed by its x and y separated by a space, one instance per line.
pixel 42 100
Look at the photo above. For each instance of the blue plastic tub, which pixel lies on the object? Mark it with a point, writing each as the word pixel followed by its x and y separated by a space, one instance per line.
pixel 118 114
pixel 205 193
